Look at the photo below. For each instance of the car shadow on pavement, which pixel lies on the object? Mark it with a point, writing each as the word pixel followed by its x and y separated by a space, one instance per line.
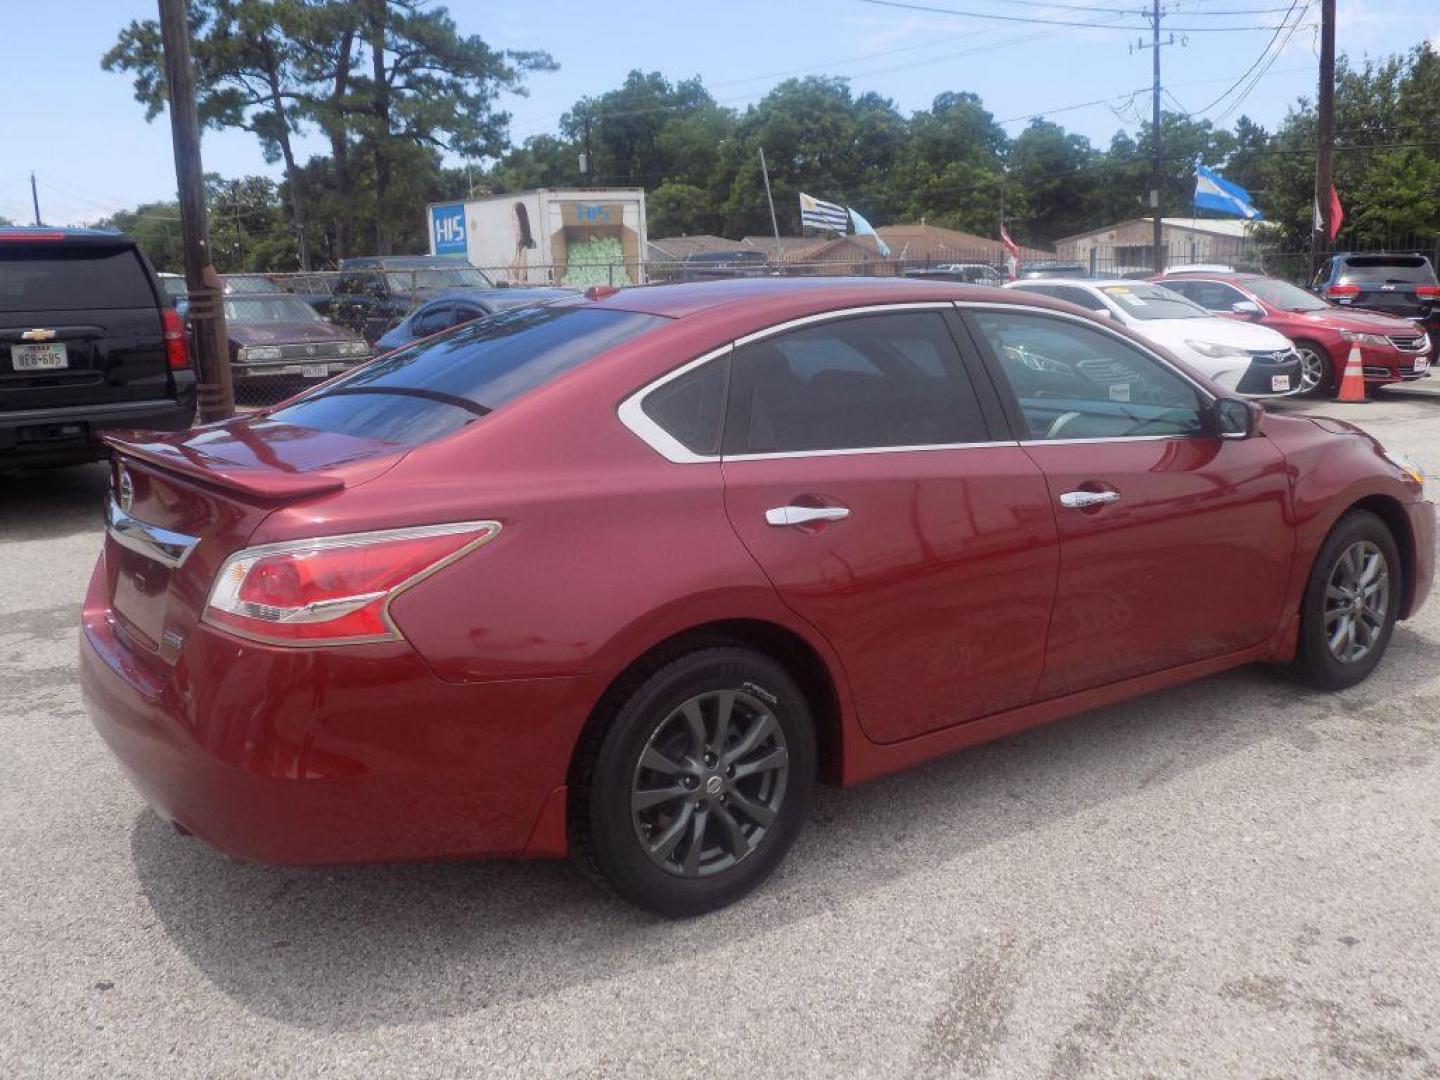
pixel 49 503
pixel 355 948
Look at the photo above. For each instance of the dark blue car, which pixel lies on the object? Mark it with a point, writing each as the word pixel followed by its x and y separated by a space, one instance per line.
pixel 461 305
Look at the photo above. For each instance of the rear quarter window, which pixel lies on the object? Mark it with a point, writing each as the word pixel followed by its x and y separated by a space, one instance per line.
pixel 60 277
pixel 437 386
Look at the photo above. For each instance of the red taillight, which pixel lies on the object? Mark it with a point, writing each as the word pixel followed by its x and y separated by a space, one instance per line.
pixel 25 235
pixel 333 589
pixel 177 350
pixel 1428 292
pixel 1342 290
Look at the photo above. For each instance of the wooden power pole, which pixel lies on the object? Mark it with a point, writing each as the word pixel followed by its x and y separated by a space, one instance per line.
pixel 207 310
pixel 1157 234
pixel 1325 109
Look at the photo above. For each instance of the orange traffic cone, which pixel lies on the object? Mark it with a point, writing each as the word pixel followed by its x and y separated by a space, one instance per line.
pixel 1352 383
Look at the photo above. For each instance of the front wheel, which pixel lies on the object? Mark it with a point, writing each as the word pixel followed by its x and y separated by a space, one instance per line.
pixel 1351 603
pixel 693 793
pixel 1317 370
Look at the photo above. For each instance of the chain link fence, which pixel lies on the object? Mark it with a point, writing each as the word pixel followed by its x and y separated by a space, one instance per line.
pixel 290 331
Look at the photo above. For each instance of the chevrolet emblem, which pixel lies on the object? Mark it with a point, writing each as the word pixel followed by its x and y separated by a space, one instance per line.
pixel 38 335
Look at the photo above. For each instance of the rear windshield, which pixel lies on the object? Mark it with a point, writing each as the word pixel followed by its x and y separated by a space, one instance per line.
pixel 1395 269
pixel 1283 295
pixel 58 277
pixel 440 384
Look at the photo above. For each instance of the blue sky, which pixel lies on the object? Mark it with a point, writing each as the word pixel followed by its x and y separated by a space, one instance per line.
pixel 86 138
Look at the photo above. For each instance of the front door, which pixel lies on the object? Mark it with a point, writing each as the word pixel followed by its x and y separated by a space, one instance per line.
pixel 1174 543
pixel 861 473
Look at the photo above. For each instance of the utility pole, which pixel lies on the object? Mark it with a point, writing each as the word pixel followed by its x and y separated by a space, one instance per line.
pixel 1157 235
pixel 35 197
pixel 1320 231
pixel 765 172
pixel 207 312
pixel 585 158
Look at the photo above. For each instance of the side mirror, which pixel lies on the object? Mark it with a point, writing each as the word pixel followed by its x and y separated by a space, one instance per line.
pixel 1248 308
pixel 1237 419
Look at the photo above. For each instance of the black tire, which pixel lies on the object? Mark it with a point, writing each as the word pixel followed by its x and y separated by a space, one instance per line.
pixel 607 830
pixel 1328 386
pixel 1316 663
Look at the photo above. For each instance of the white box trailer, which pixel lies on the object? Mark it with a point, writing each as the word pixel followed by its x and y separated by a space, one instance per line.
pixel 549 236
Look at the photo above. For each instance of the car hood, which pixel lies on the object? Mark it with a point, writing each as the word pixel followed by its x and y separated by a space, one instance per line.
pixel 286 333
pixel 1365 322
pixel 1219 331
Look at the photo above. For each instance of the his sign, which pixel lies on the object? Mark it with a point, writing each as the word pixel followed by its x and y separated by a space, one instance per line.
pixel 447 229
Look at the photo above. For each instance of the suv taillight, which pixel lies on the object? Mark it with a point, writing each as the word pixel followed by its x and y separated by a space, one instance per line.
pixel 177 350
pixel 1428 292
pixel 1342 290
pixel 333 589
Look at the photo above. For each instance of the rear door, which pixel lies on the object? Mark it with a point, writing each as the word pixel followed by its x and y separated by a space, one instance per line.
pixel 1174 543
pixel 864 474
pixel 80 324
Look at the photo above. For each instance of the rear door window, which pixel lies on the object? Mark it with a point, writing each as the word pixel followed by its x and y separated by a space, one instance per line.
pixel 432 319
pixel 436 386
pixel 850 384
pixel 61 277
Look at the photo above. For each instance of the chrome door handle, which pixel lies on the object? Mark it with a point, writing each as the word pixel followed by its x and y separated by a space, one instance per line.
pixel 804 515
pixel 1079 500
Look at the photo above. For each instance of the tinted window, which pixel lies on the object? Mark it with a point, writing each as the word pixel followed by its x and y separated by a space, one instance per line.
pixel 1075 382
pixel 872 381
pixel 1211 295
pixel 58 277
pixel 1396 269
pixel 435 386
pixel 1283 295
pixel 465 314
pixel 691 407
pixel 431 319
pixel 1068 293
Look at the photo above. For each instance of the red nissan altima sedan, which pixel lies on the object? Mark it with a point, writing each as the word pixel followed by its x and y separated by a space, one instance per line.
pixel 624 576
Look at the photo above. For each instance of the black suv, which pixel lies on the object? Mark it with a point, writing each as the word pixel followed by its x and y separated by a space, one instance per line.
pixel 88 342
pixel 374 292
pixel 1399 285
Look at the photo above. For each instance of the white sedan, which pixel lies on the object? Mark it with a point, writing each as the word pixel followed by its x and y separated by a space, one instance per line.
pixel 1246 359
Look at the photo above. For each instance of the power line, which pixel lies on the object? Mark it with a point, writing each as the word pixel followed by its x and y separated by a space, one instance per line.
pixel 1053 22
pixel 1260 75
pixel 1258 60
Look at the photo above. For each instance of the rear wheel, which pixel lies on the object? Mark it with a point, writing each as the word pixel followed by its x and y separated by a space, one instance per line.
pixel 1317 370
pixel 1351 603
pixel 693 793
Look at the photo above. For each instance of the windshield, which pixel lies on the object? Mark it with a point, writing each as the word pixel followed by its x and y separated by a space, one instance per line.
pixel 1396 269
pixel 434 277
pixel 263 309
pixel 1285 296
pixel 442 383
pixel 248 283
pixel 1152 302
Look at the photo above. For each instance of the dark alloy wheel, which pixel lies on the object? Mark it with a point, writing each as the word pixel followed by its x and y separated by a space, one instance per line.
pixel 1351 603
pixel 693 792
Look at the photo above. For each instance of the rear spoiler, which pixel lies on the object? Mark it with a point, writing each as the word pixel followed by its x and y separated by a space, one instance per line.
pixel 265 485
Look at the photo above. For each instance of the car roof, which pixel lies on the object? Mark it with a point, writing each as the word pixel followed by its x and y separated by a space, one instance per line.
pixel 781 295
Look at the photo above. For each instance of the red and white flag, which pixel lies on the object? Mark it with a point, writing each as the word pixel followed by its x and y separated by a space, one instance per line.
pixel 1012 253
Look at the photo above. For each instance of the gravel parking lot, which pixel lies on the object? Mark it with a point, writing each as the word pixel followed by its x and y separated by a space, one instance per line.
pixel 1232 878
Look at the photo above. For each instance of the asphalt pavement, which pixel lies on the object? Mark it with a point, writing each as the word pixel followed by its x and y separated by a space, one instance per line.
pixel 1236 877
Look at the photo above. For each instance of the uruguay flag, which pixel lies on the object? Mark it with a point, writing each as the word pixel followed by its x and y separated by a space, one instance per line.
pixel 1214 192
pixel 818 214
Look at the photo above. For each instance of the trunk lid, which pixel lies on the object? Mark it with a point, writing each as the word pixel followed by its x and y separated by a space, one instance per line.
pixel 181 504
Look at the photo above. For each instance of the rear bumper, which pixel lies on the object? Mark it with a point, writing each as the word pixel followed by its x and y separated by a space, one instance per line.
pixel 332 755
pixel 72 432
pixel 1422 529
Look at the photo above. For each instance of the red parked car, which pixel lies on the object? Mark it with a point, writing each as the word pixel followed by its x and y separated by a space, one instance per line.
pixel 624 575
pixel 1391 349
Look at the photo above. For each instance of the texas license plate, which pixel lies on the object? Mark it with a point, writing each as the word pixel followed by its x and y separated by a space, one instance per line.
pixel 1422 363
pixel 314 371
pixel 1279 382
pixel 38 357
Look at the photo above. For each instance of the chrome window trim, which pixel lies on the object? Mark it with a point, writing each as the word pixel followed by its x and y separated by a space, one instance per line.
pixel 919 448
pixel 170 549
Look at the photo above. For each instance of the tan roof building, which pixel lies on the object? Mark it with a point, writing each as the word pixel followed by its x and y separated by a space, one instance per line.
pixel 935 244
